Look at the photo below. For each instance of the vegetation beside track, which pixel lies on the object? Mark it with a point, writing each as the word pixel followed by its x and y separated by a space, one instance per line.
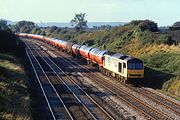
pixel 14 96
pixel 162 65
pixel 162 69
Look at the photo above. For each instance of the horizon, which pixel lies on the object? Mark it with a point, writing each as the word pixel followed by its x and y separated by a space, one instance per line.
pixel 67 24
pixel 89 22
pixel 164 13
pixel 98 23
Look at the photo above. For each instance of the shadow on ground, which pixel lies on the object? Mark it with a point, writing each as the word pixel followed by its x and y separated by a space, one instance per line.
pixel 155 79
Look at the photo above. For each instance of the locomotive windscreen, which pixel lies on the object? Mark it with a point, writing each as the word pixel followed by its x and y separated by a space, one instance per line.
pixel 135 64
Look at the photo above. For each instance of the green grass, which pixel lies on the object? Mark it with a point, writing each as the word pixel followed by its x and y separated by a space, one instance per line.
pixel 172 88
pixel 164 61
pixel 164 72
pixel 14 97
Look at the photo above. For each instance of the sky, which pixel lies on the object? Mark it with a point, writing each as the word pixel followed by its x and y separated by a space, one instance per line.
pixel 163 12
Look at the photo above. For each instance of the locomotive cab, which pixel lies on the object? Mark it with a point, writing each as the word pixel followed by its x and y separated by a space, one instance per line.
pixel 123 67
pixel 135 68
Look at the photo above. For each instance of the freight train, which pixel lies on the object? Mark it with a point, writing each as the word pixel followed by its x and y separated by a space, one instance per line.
pixel 123 67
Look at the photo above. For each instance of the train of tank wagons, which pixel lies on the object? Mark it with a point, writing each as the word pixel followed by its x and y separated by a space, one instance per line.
pixel 123 67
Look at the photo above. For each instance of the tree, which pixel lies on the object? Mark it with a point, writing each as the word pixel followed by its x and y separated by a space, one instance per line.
pixel 43 33
pixel 23 26
pixel 3 25
pixel 8 40
pixel 79 21
pixel 35 30
pixel 148 25
pixel 145 25
pixel 175 26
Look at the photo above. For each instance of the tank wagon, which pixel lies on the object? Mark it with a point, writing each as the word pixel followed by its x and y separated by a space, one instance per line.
pixel 123 67
pixel 75 49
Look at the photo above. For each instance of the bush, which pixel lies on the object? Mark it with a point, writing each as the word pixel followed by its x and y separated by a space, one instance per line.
pixel 148 37
pixel 9 42
pixel 167 40
pixel 144 25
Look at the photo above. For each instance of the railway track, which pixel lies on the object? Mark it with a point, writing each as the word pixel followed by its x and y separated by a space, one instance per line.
pixel 167 103
pixel 94 109
pixel 163 116
pixel 50 94
pixel 146 110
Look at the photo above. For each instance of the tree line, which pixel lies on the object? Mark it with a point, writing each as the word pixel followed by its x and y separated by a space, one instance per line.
pixel 9 40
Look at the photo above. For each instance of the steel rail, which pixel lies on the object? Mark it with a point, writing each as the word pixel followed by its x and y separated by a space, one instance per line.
pixel 136 99
pixel 52 87
pixel 44 94
pixel 104 111
pixel 121 90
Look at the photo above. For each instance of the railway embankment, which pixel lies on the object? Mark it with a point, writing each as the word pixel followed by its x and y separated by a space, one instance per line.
pixel 14 95
pixel 162 67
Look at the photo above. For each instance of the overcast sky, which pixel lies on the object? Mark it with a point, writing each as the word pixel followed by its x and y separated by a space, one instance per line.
pixel 164 12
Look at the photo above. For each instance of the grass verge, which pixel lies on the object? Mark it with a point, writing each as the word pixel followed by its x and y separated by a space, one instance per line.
pixel 14 95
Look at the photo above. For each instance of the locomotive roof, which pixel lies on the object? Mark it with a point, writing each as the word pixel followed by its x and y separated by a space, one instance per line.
pixel 126 57
pixel 120 56
pixel 132 59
